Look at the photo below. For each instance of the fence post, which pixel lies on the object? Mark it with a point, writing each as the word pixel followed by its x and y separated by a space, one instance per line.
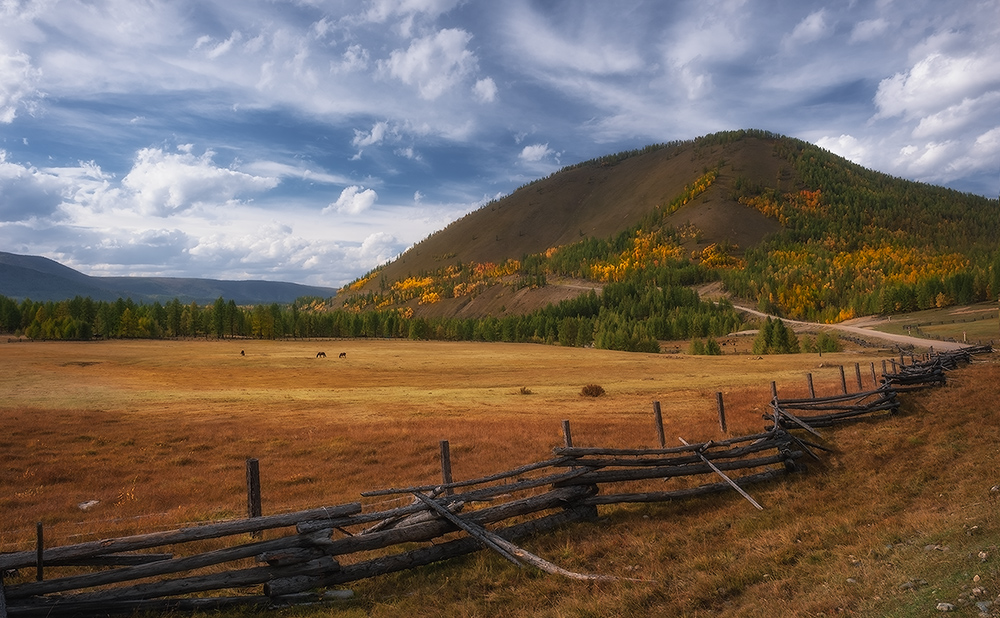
pixel 812 390
pixel 843 380
pixel 39 551
pixel 857 370
pixel 253 492
pixel 567 435
pixel 446 477
pixel 722 411
pixel 874 377
pixel 774 389
pixel 658 421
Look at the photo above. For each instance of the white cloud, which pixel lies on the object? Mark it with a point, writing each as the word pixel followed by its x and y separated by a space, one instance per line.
pixel 27 193
pixel 868 30
pixel 353 201
pixel 18 79
pixel 813 28
pixel 164 183
pixel 434 64
pixel 485 90
pixel 535 152
pixel 846 146
pixel 375 136
pixel 935 83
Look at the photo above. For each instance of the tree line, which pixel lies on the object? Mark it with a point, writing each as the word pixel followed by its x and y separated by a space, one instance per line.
pixel 631 315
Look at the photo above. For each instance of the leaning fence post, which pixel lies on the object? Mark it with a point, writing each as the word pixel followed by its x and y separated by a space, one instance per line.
pixel 39 551
pixel 857 370
pixel 658 421
pixel 722 411
pixel 567 435
pixel 874 377
pixel 843 380
pixel 446 477
pixel 774 390
pixel 253 492
pixel 812 390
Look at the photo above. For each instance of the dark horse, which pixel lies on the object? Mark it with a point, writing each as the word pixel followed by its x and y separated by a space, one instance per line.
pixel 343 355
pixel 320 354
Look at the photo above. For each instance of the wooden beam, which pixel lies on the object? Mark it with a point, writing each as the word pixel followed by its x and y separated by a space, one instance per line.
pixel 727 479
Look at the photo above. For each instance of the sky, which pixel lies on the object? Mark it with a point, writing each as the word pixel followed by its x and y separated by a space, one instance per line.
pixel 311 141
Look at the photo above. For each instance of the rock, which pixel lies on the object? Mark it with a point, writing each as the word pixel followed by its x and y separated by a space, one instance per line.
pixel 334 595
pixel 89 504
pixel 984 607
pixel 945 607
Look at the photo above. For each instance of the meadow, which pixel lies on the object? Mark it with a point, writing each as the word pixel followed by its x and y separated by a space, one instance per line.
pixel 158 432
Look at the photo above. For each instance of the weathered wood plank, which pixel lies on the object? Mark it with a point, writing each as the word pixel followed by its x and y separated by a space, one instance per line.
pixel 26 559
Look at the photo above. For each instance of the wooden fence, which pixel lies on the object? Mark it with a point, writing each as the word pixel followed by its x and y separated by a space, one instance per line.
pixel 335 545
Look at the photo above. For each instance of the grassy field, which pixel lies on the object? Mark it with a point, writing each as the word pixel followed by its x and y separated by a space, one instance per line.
pixel 972 324
pixel 158 433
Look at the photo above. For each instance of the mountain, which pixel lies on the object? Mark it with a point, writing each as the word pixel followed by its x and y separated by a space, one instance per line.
pixel 784 224
pixel 42 279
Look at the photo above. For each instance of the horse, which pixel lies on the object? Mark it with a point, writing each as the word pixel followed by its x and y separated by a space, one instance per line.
pixel 343 355
pixel 320 354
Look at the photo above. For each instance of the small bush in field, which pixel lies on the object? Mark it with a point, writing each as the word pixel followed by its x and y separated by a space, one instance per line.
pixel 592 390
pixel 526 391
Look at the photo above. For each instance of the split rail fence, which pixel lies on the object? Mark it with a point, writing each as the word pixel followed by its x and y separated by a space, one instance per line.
pixel 334 545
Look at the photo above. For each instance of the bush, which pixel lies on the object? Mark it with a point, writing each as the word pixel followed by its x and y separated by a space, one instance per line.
pixel 592 390
pixel 526 391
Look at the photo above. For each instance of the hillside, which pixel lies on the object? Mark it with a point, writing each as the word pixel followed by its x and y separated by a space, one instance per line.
pixel 785 225
pixel 42 279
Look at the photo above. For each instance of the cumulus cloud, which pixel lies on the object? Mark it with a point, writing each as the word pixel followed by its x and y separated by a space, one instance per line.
pixel 485 90
pixel 353 201
pixel 846 146
pixel 27 193
pixel 936 82
pixel 435 63
pixel 18 79
pixel 164 183
pixel 535 152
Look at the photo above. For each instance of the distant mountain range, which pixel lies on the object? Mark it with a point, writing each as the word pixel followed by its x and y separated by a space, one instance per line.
pixel 42 279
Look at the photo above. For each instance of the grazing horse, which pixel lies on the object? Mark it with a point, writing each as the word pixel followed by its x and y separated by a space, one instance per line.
pixel 243 353
pixel 343 355
pixel 320 354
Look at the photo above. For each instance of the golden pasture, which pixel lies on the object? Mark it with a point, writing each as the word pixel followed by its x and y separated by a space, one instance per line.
pixel 161 430
pixel 158 433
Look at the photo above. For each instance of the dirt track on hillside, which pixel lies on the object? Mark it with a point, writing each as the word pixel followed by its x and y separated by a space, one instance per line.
pixel 867 333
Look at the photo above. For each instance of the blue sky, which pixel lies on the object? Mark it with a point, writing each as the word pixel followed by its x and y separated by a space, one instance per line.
pixel 311 141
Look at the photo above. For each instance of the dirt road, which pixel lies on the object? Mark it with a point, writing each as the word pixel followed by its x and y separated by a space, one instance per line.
pixel 859 331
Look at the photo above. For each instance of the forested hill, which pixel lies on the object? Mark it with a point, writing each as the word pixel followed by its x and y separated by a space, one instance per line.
pixel 42 279
pixel 783 223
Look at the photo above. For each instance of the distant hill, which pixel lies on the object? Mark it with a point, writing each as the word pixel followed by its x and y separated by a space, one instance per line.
pixel 42 279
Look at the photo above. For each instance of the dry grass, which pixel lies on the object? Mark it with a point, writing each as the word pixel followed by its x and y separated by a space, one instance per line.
pixel 159 431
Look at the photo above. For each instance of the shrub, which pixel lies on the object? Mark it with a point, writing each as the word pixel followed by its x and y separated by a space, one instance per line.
pixel 526 391
pixel 592 390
